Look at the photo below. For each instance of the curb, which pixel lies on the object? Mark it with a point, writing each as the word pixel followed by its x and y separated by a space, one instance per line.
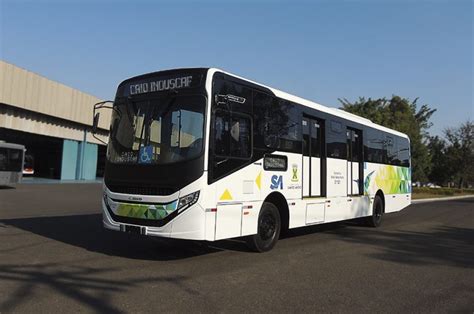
pixel 438 199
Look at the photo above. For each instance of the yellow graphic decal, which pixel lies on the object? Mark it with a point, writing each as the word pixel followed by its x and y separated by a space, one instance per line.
pixel 258 180
pixel 393 180
pixel 226 196
pixel 294 177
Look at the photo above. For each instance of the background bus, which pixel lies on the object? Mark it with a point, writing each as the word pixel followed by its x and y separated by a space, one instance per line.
pixel 203 154
pixel 11 163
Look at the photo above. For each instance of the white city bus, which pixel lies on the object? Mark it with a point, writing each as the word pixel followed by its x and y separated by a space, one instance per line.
pixel 11 163
pixel 206 155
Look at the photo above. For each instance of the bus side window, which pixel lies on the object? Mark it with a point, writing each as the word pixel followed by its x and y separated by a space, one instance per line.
pixel 336 141
pixel 232 135
pixel 277 123
pixel 374 147
pixel 16 159
pixel 404 152
pixel 3 159
pixel 221 127
pixel 390 150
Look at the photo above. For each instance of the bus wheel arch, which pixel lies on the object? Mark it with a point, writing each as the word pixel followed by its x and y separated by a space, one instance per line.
pixel 273 218
pixel 277 199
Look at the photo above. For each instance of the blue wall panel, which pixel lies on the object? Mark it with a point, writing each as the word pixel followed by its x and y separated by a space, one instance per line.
pixel 69 160
pixel 90 162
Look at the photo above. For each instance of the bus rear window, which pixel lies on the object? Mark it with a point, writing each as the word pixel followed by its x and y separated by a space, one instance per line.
pixel 11 159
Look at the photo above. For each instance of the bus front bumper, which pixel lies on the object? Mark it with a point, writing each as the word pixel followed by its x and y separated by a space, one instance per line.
pixel 190 224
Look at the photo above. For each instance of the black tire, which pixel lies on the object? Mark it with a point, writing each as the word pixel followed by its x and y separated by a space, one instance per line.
pixel 377 213
pixel 268 230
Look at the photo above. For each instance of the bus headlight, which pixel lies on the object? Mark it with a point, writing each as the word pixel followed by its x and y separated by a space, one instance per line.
pixel 187 201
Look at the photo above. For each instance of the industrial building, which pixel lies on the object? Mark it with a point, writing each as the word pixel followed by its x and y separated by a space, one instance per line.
pixel 54 123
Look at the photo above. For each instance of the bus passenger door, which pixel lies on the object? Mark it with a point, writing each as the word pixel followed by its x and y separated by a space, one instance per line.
pixel 311 157
pixel 354 162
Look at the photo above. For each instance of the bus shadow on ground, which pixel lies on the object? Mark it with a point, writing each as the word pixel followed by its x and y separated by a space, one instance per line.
pixel 6 187
pixel 442 245
pixel 86 231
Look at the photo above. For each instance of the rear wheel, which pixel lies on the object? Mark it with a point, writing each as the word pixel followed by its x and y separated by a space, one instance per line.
pixel 268 230
pixel 377 213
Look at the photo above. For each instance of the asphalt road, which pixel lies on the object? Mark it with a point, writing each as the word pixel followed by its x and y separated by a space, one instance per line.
pixel 56 257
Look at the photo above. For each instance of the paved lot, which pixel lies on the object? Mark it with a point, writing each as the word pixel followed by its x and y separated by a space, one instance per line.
pixel 56 257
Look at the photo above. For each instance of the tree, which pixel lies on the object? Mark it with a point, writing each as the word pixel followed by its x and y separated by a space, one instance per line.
pixel 402 115
pixel 441 169
pixel 460 153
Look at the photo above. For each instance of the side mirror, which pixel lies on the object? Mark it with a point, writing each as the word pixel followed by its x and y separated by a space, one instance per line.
pixel 95 123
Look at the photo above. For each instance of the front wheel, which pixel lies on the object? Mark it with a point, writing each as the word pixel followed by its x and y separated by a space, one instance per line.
pixel 268 230
pixel 377 213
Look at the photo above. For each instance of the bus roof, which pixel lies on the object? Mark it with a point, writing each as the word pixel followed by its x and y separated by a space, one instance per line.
pixel 11 145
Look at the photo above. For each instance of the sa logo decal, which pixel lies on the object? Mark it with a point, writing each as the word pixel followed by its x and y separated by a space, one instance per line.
pixel 277 182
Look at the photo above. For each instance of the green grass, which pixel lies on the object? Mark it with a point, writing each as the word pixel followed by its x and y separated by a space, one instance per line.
pixel 419 193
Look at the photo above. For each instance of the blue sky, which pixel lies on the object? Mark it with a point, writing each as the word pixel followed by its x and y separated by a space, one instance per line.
pixel 320 50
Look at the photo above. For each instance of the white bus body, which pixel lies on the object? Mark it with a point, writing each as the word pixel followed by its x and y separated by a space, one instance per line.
pixel 256 145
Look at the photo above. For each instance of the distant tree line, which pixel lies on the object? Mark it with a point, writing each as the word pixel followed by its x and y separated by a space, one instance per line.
pixel 447 160
pixel 452 157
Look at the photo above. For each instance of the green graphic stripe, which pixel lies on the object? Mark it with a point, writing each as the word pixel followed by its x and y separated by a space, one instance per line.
pixel 153 212
pixel 390 179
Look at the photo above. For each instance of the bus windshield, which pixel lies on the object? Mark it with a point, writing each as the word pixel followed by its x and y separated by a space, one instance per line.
pixel 157 131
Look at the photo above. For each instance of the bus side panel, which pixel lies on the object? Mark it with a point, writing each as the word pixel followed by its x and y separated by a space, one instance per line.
pixel 249 187
pixel 290 184
pixel 336 209
pixel 242 188
pixel 396 202
pixel 208 203
pixel 297 209
pixel 189 224
pixel 360 207
pixel 393 181
pixel 336 177
pixel 287 182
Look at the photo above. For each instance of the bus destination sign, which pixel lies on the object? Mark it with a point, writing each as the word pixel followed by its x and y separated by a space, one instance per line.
pixel 158 85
